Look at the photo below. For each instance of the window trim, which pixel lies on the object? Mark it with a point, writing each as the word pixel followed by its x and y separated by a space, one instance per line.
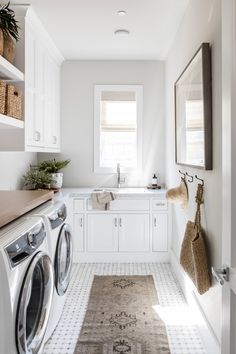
pixel 97 98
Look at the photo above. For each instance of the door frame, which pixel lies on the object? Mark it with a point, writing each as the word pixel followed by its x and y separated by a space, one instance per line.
pixel 228 165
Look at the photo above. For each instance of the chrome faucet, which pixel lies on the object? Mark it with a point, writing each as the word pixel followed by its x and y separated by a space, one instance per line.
pixel 118 175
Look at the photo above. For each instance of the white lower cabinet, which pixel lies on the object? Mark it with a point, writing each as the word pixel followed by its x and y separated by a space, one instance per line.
pixel 134 232
pixel 135 229
pixel 78 231
pixel 102 233
pixel 160 232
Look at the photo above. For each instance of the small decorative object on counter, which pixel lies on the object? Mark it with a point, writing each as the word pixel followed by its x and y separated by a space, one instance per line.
pixel 8 32
pixel 153 187
pixel 154 180
pixel 53 167
pixel 35 179
pixel 13 102
pixel 154 184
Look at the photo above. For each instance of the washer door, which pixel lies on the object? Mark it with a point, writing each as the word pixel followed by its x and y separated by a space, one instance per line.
pixel 63 260
pixel 34 304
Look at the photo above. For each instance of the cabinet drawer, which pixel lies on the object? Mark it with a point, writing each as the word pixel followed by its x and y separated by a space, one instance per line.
pixel 158 204
pixel 126 205
pixel 78 204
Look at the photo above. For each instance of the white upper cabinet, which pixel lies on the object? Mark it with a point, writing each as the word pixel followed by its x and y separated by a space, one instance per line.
pixel 42 89
pixel 40 60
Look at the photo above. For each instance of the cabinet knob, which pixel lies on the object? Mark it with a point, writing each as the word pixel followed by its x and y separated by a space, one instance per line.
pixel 81 222
pixel 115 222
pixel 54 139
pixel 155 222
pixel 120 222
pixel 37 135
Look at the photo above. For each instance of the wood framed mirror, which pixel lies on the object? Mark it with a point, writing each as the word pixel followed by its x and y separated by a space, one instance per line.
pixel 193 112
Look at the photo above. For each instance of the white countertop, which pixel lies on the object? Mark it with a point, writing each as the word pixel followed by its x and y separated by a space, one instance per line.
pixel 129 191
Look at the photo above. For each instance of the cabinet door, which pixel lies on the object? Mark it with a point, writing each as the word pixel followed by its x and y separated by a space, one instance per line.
pixel 78 232
pixel 133 232
pixel 102 235
pixel 52 103
pixel 34 99
pixel 160 232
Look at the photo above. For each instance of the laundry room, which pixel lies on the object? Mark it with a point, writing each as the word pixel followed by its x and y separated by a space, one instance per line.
pixel 116 177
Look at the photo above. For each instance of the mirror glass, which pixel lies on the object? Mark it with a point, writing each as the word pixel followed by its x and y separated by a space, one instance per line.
pixel 193 115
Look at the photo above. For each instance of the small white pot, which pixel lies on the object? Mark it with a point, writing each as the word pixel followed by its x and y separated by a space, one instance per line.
pixel 57 180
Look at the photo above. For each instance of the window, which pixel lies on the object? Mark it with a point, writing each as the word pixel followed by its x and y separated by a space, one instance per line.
pixel 117 127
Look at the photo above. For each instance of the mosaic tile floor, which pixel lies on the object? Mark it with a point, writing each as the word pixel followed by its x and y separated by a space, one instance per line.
pixel 182 333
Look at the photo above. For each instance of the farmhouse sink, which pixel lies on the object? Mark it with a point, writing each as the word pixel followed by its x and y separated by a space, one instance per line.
pixel 121 190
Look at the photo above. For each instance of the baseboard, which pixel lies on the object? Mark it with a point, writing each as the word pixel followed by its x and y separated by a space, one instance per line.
pixel 109 257
pixel 209 339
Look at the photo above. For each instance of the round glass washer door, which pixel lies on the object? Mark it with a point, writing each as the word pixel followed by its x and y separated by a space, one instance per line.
pixel 63 259
pixel 34 304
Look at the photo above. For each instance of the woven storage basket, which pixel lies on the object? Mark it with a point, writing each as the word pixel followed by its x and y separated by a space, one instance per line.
pixel 9 49
pixel 193 255
pixel 13 102
pixel 2 96
pixel 1 42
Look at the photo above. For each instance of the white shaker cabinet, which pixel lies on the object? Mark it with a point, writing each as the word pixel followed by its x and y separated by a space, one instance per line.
pixel 160 232
pixel 102 233
pixel 37 73
pixel 133 232
pixel 42 91
pixel 78 227
pixel 136 228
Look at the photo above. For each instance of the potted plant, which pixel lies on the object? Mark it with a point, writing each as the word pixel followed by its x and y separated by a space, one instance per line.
pixel 54 167
pixel 35 179
pixel 8 32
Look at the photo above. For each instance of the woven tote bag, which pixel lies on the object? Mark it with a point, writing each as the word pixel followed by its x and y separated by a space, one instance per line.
pixel 193 255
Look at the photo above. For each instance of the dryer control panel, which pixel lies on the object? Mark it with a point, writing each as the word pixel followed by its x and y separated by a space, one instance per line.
pixel 58 216
pixel 25 245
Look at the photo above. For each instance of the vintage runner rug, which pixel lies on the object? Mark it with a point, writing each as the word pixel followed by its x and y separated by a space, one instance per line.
pixel 120 318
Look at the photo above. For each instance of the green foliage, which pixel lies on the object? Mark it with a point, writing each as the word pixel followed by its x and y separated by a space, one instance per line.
pixel 53 166
pixel 35 177
pixel 8 23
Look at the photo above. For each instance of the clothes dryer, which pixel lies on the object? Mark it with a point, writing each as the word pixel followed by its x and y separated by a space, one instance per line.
pixel 54 214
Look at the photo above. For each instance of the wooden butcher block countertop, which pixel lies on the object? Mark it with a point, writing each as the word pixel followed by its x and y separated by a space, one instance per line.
pixel 16 203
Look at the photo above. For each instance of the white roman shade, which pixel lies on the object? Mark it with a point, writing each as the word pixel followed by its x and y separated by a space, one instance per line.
pixel 118 111
pixel 118 96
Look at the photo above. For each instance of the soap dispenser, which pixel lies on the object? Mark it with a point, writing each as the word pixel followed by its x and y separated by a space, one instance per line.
pixel 154 180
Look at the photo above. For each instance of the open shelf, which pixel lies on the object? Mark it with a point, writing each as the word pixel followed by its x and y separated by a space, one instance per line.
pixel 9 72
pixel 10 123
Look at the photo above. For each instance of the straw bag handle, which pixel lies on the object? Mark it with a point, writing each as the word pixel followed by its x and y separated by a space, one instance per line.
pixel 199 201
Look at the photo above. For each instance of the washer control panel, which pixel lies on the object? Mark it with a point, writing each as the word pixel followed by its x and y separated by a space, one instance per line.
pixel 26 244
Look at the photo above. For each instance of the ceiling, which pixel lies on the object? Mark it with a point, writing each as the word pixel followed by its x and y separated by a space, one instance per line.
pixel 84 29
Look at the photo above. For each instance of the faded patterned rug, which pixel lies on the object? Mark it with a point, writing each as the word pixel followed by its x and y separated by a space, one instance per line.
pixel 120 318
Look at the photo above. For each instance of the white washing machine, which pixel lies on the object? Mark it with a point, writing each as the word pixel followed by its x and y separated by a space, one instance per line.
pixel 27 284
pixel 54 214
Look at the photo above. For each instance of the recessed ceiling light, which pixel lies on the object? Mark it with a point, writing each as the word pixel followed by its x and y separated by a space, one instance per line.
pixel 122 13
pixel 121 32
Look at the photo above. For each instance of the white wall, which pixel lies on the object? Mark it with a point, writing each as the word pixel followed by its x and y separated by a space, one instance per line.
pixel 13 165
pixel 78 80
pixel 201 23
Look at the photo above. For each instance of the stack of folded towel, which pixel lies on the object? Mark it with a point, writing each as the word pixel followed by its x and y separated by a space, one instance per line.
pixel 101 199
